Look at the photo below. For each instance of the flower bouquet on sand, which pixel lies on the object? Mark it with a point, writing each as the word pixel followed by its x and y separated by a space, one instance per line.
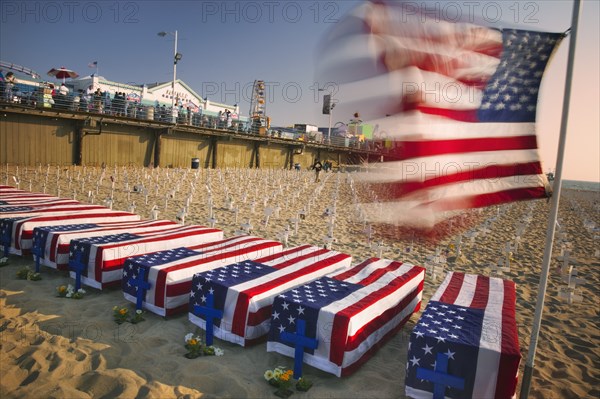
pixel 121 314
pixel 281 378
pixel 28 274
pixel 196 348
pixel 68 291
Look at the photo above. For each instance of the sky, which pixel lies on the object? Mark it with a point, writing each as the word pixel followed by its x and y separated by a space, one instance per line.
pixel 226 45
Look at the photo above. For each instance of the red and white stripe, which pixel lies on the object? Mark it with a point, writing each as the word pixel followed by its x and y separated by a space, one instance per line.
pixel 8 193
pixel 171 283
pixel 56 251
pixel 420 81
pixel 350 330
pixel 498 358
pixel 62 209
pixel 247 313
pixel 106 260
pixel 23 229
pixel 36 202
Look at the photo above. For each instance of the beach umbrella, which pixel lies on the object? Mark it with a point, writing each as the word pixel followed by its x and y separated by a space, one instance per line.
pixel 63 73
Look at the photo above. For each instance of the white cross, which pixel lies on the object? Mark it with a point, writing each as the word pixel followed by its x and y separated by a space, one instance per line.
pixel 497 269
pixel 181 215
pixel 247 227
pixel 295 222
pixel 284 235
pixel 154 213
pixel 328 241
pixel 380 248
pixel 507 251
pixel 268 212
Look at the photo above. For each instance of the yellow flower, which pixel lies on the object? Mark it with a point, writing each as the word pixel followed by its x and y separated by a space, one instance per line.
pixel 285 377
pixel 193 342
pixel 62 289
pixel 268 375
pixel 277 373
pixel 123 311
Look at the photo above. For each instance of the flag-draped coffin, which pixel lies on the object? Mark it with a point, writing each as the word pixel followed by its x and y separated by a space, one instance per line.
pixel 52 242
pixel 101 258
pixel 168 274
pixel 245 291
pixel 465 344
pixel 350 314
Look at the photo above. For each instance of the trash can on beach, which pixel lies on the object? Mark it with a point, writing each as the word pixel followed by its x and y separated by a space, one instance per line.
pixel 195 163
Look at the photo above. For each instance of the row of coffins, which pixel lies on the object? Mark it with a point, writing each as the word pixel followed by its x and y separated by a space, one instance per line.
pixel 307 302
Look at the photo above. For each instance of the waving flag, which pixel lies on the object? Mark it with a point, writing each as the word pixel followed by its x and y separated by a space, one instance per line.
pixel 245 291
pixel 455 102
pixel 351 314
pixel 465 344
pixel 168 274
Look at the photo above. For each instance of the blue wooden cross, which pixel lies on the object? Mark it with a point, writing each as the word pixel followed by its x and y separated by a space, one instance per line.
pixel 37 251
pixel 141 285
pixel 5 239
pixel 300 341
pixel 210 314
pixel 78 268
pixel 439 377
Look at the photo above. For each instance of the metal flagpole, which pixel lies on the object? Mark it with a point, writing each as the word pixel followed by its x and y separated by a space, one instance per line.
pixel 537 321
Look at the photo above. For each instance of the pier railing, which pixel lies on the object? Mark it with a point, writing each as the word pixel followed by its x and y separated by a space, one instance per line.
pixel 52 99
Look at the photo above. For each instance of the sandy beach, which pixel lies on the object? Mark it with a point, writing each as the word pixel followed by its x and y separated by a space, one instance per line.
pixel 63 348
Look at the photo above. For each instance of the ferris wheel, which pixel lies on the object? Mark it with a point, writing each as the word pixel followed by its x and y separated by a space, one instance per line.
pixel 258 104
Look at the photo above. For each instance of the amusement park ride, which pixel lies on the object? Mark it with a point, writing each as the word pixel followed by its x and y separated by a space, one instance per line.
pixel 19 68
pixel 259 121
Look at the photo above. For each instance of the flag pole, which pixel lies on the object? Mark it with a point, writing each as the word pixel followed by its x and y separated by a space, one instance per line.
pixel 537 321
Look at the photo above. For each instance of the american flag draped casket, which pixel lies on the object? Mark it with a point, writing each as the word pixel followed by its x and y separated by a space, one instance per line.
pixel 245 291
pixel 12 195
pixel 22 228
pixel 52 242
pixel 17 224
pixel 161 281
pixel 33 201
pixel 350 314
pixel 465 344
pixel 99 260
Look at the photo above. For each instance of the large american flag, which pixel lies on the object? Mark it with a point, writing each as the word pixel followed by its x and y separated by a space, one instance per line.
pixel 470 322
pixel 170 272
pixel 104 256
pixel 245 291
pixel 351 314
pixel 454 102
pixel 53 241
